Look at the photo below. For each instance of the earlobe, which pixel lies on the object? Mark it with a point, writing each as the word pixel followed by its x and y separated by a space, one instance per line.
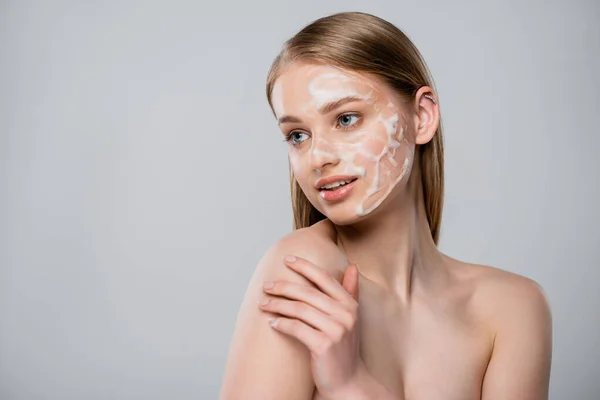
pixel 428 115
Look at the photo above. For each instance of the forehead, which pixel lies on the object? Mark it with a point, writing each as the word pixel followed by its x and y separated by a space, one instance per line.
pixel 306 87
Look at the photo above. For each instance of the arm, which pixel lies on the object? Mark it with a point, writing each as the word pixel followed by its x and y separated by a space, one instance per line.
pixel 262 363
pixel 519 368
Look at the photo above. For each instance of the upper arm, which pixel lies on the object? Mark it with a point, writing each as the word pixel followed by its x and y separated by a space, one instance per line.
pixel 519 368
pixel 263 363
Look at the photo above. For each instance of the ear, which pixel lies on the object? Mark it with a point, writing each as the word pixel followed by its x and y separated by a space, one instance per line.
pixel 427 116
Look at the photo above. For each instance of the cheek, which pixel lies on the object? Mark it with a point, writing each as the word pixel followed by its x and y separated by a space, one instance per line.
pixel 385 159
pixel 300 169
pixel 295 160
pixel 367 153
pixel 376 146
pixel 374 149
pixel 398 165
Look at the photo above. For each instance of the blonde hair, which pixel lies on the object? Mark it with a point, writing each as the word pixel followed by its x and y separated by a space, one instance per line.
pixel 365 43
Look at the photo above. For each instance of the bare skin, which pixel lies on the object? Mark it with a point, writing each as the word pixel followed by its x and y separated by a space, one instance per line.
pixel 439 344
pixel 484 334
pixel 430 326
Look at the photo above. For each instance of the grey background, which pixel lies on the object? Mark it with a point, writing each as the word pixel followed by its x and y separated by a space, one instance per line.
pixel 143 176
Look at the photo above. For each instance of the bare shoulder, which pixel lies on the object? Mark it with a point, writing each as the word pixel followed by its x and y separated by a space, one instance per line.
pixel 263 363
pixel 515 311
pixel 502 297
pixel 316 244
pixel 511 295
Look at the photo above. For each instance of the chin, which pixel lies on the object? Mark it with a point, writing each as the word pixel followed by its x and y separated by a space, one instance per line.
pixel 347 212
pixel 342 214
pixel 343 220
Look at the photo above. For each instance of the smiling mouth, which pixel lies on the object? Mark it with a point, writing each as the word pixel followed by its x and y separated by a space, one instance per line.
pixel 337 185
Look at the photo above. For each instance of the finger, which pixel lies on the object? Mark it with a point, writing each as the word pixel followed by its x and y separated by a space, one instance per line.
pixel 307 294
pixel 318 276
pixel 350 280
pixel 307 335
pixel 303 312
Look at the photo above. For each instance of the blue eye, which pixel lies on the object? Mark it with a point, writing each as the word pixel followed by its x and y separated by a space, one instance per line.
pixel 294 139
pixel 346 120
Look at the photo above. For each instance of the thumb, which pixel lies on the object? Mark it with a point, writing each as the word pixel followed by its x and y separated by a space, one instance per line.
pixel 350 280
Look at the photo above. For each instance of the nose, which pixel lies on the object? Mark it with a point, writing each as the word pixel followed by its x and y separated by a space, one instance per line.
pixel 322 153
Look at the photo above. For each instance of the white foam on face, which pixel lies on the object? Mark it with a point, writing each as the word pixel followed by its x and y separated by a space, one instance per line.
pixel 325 88
pixel 322 95
pixel 360 210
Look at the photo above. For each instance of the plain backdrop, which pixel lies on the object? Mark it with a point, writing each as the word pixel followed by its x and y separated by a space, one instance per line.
pixel 143 177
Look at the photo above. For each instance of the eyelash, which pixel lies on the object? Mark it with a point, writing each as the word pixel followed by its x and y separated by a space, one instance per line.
pixel 345 128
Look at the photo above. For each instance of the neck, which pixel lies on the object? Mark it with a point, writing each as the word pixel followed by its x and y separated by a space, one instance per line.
pixel 393 247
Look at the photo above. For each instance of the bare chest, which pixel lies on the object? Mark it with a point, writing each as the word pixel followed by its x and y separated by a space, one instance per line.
pixel 430 353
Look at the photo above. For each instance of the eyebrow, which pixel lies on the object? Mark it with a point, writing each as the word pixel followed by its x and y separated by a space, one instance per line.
pixel 325 109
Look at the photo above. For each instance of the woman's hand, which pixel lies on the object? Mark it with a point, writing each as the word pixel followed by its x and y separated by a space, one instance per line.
pixel 324 320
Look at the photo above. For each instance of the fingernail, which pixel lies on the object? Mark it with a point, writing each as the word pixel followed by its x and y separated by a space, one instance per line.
pixel 289 258
pixel 268 284
pixel 263 302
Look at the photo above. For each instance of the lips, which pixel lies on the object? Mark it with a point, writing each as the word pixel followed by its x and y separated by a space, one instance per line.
pixel 338 193
pixel 333 179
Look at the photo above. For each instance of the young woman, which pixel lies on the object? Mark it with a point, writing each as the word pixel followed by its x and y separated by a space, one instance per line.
pixel 355 102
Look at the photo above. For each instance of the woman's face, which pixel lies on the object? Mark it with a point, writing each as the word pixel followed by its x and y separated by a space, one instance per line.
pixel 346 127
